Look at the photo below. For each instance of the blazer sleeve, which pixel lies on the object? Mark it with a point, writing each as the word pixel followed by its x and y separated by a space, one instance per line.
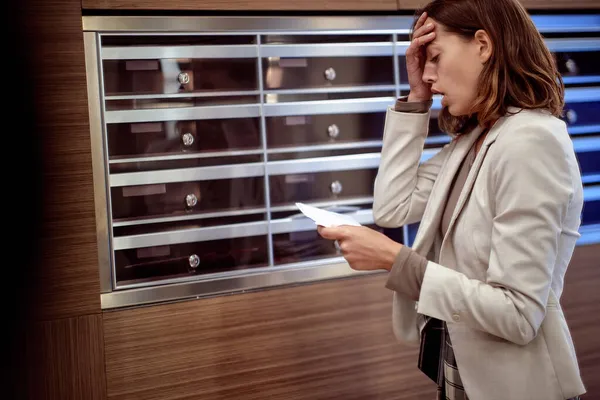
pixel 403 183
pixel 533 186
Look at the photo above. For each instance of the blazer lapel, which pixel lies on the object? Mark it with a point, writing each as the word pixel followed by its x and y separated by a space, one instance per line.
pixel 435 206
pixel 466 190
pixel 472 176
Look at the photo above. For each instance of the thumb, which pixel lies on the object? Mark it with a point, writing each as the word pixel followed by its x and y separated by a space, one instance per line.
pixel 331 233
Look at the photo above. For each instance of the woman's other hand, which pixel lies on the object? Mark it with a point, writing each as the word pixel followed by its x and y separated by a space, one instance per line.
pixel 415 60
pixel 365 249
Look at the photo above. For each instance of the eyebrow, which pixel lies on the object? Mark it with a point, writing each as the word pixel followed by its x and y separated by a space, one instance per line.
pixel 431 47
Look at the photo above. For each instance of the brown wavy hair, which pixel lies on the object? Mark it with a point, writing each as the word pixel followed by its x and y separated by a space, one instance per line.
pixel 521 71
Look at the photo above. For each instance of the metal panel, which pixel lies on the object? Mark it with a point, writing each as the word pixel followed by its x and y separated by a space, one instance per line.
pixel 590 178
pixel 190 235
pixel 184 95
pixel 586 144
pixel 580 95
pixel 335 163
pixel 183 114
pixel 591 193
pixel 315 24
pixel 320 164
pixel 375 104
pixel 441 139
pixel 271 277
pixel 191 217
pixel 263 138
pixel 327 204
pixel 248 24
pixel 163 52
pixel 572 45
pixel 401 47
pixel 101 203
pixel 187 174
pixel 584 129
pixel 567 23
pixel 327 50
pixel 175 157
pixel 396 66
pixel 329 146
pixel 580 80
pixel 287 225
pixel 337 89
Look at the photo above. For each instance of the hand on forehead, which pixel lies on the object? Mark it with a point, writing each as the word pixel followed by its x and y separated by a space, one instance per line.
pixel 429 20
pixel 436 29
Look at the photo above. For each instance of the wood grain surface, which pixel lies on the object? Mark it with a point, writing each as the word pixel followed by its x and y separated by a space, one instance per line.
pixel 581 304
pixel 63 360
pixel 64 279
pixel 233 5
pixel 308 5
pixel 55 345
pixel 326 341
pixel 323 341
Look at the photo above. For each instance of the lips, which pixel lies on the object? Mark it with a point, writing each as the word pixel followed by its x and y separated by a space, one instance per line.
pixel 440 93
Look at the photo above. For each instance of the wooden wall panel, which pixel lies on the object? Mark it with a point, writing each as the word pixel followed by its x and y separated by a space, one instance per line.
pixel 65 278
pixel 581 304
pixel 232 5
pixel 529 4
pixel 55 346
pixel 325 341
pixel 308 5
pixel 63 360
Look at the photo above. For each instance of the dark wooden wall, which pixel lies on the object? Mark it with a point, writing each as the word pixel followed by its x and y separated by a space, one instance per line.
pixel 581 304
pixel 281 5
pixel 55 313
pixel 329 340
pixel 69 281
pixel 307 5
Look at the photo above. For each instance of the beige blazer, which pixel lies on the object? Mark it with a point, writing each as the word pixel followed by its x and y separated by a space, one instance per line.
pixel 497 276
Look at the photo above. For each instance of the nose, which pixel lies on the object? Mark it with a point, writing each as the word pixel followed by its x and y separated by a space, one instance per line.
pixel 429 73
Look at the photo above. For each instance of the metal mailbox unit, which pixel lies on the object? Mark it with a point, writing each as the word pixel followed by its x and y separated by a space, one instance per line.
pixel 206 130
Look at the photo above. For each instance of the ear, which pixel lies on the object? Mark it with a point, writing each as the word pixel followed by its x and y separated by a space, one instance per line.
pixel 484 44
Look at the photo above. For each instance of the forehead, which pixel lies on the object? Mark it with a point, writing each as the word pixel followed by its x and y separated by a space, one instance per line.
pixel 441 35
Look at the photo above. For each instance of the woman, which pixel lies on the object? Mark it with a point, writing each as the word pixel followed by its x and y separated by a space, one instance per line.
pixel 499 207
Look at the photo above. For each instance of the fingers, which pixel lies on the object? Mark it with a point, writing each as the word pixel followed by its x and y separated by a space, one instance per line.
pixel 421 21
pixel 422 31
pixel 416 43
pixel 421 35
pixel 333 233
pixel 329 233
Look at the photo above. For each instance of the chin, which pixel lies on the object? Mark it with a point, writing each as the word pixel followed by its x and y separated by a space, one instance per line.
pixel 456 111
pixel 452 111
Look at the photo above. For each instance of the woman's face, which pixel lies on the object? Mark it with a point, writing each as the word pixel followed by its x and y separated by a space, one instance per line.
pixel 453 66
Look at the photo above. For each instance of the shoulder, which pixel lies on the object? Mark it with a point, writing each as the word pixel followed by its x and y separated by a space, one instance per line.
pixel 534 154
pixel 532 133
pixel 535 148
